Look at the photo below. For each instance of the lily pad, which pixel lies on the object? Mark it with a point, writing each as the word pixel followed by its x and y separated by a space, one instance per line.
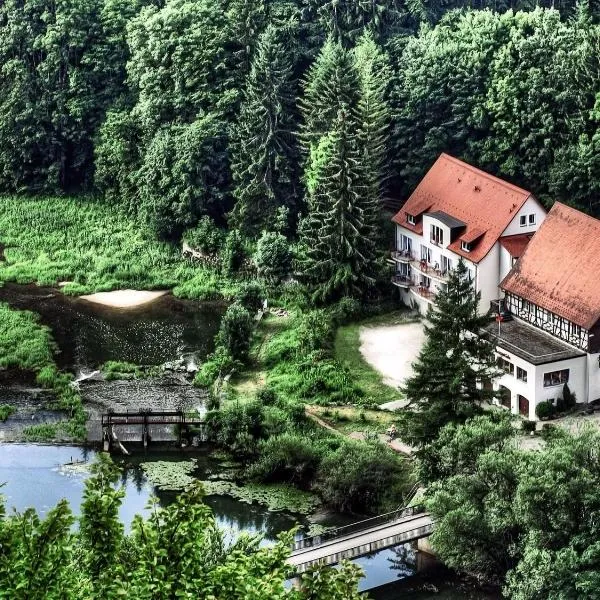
pixel 171 476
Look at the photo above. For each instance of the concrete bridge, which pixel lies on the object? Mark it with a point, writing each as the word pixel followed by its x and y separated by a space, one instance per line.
pixel 362 538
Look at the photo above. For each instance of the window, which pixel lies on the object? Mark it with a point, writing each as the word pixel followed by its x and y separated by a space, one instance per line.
pixel 505 365
pixel 522 374
pixel 437 235
pixel 446 265
pixel 532 219
pixel 556 378
pixel 425 254
pixel 410 219
pixel 405 245
pixel 465 246
pixel 523 220
pixel 425 281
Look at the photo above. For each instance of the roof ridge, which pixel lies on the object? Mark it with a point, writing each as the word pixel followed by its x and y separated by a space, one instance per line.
pixel 483 173
pixel 572 209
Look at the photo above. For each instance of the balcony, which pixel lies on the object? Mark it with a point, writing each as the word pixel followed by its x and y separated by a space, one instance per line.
pixel 433 271
pixel 403 256
pixel 403 281
pixel 423 292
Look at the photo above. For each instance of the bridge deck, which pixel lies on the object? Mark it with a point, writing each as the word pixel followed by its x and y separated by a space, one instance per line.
pixel 363 542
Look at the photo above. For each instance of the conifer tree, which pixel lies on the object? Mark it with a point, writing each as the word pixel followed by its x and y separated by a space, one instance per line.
pixel 452 366
pixel 374 114
pixel 265 158
pixel 338 232
pixel 330 84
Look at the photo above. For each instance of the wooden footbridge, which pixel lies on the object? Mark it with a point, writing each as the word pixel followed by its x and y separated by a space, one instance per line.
pixel 362 538
pixel 145 419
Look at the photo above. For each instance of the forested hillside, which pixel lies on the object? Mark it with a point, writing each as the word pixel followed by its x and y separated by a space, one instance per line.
pixel 235 108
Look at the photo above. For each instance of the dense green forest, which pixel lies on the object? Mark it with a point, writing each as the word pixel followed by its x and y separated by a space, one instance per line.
pixel 239 109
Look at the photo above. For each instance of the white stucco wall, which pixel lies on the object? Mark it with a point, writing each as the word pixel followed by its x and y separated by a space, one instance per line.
pixel 488 273
pixel 531 206
pixel 427 223
pixel 593 376
pixel 506 264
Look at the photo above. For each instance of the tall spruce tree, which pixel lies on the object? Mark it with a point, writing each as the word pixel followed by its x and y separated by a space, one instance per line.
pixel 330 84
pixel 338 232
pixel 374 114
pixel 265 155
pixel 452 366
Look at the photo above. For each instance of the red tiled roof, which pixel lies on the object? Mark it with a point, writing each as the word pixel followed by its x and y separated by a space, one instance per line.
pixel 516 244
pixel 560 269
pixel 485 203
pixel 472 234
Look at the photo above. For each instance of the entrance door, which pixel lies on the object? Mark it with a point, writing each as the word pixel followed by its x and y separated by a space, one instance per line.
pixel 524 406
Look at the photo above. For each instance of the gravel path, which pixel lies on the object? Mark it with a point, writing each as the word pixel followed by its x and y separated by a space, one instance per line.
pixel 391 349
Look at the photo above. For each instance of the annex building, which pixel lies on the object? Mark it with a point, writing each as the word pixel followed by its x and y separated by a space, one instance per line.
pixel 540 271
pixel 458 211
pixel 553 296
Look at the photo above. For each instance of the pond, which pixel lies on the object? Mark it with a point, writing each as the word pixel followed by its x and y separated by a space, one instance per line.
pixel 89 334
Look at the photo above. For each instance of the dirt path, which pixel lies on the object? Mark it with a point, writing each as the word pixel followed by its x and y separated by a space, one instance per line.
pixel 391 349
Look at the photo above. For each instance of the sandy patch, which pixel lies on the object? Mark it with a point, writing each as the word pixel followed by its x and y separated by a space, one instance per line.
pixel 391 350
pixel 124 298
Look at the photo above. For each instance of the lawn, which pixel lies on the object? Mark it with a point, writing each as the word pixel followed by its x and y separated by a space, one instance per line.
pixel 347 352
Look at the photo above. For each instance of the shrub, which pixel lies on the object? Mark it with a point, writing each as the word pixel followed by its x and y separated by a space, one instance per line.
pixel 346 311
pixel 569 398
pixel 290 458
pixel 528 426
pixel 206 236
pixel 272 256
pixel 359 477
pixel 250 296
pixel 218 364
pixel 6 410
pixel 232 255
pixel 545 410
pixel 266 396
pixel 235 331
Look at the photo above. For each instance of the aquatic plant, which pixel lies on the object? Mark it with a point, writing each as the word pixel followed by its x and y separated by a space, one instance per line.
pixel 170 475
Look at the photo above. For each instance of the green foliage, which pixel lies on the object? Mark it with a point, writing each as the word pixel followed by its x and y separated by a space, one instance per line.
pixel 250 295
pixel 233 254
pixel 24 342
pixel 114 369
pixel 528 426
pixel 96 248
pixel 235 332
pixel 273 256
pixel 265 157
pixel 218 364
pixel 289 457
pixel 452 363
pixel 178 551
pixel 362 477
pixel 545 410
pixel 205 237
pixel 6 410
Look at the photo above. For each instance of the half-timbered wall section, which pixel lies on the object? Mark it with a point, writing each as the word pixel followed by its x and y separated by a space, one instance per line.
pixel 548 321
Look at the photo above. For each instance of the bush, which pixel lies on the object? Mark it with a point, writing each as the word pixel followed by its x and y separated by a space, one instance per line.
pixel 346 310
pixel 5 411
pixel 232 256
pixel 250 296
pixel 218 364
pixel 266 396
pixel 569 398
pixel 272 256
pixel 235 331
pixel 359 477
pixel 529 426
pixel 545 410
pixel 289 458
pixel 205 237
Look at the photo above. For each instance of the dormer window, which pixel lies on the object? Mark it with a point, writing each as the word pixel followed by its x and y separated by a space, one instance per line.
pixel 465 246
pixel 410 219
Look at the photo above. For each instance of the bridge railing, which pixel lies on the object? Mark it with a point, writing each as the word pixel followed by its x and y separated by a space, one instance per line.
pixel 338 532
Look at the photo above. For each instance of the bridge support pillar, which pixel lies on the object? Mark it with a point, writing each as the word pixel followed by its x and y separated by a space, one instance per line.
pixel 423 545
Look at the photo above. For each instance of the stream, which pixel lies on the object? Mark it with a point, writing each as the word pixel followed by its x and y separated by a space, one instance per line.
pixel 178 333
